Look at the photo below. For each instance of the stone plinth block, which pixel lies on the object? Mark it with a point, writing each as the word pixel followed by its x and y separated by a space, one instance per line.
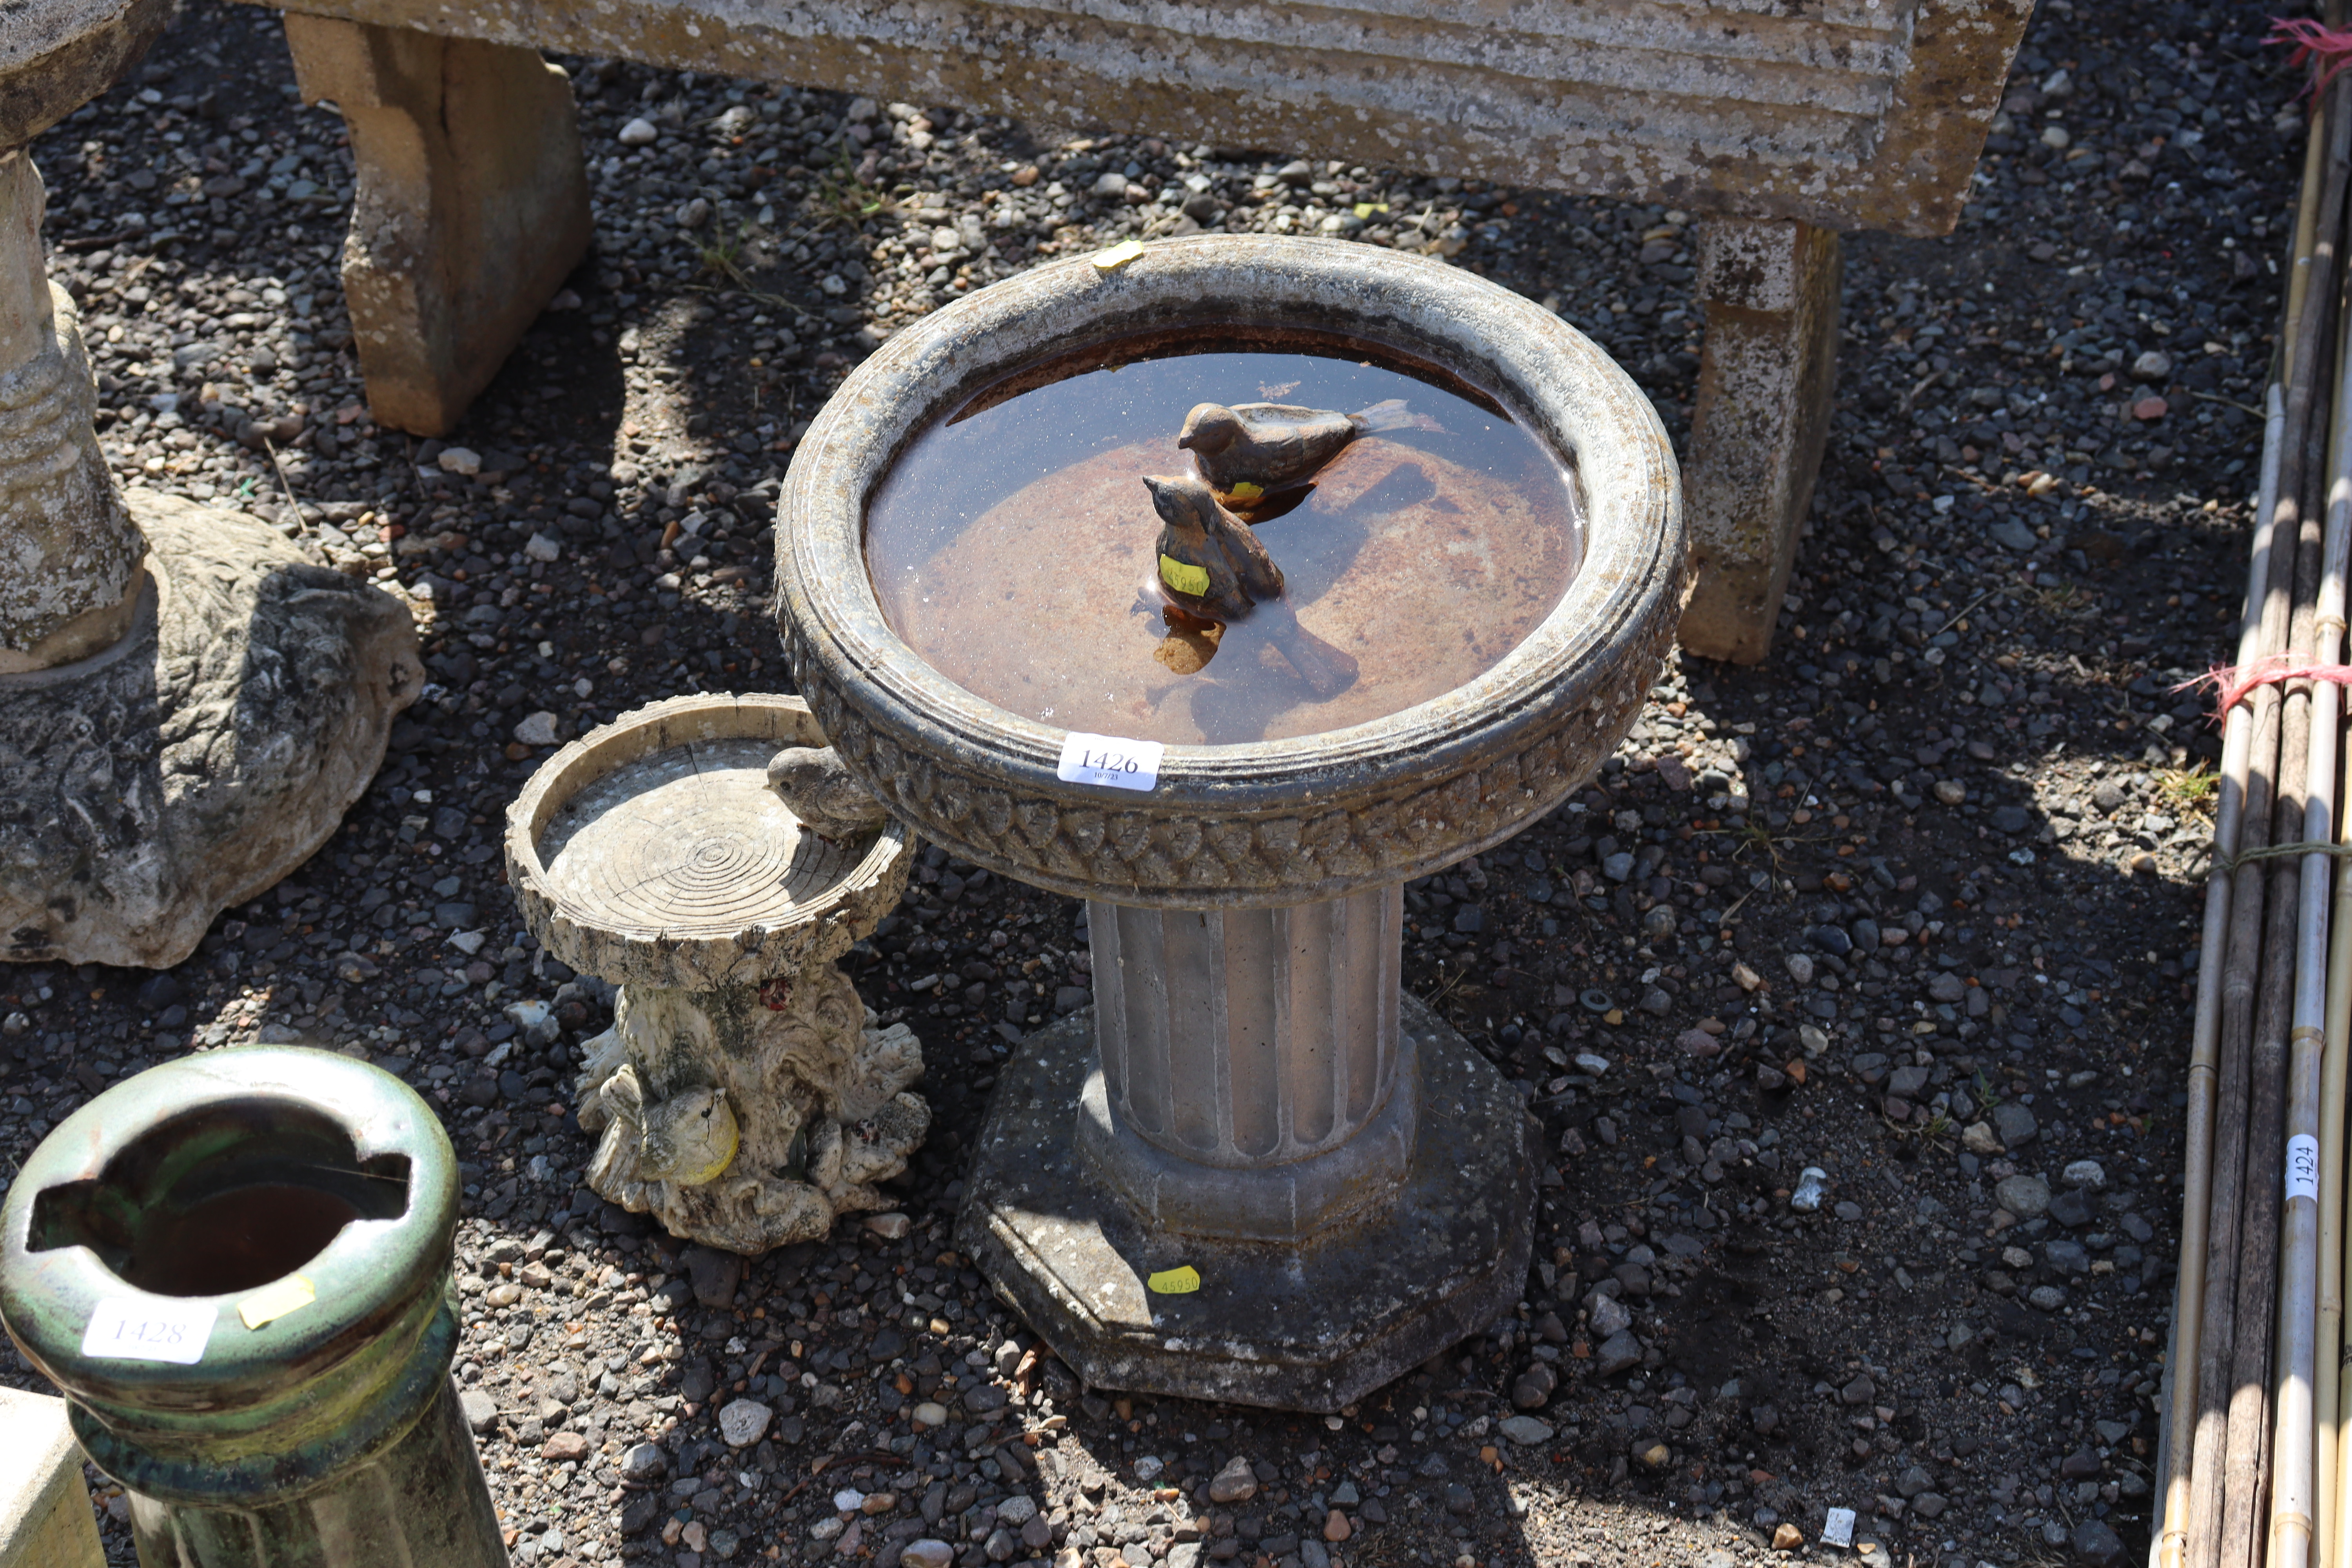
pixel 44 1515
pixel 471 208
pixel 204 755
pixel 743 1095
pixel 1313 1325
pixel 1765 379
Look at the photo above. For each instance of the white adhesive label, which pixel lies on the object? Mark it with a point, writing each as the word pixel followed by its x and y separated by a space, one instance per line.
pixel 149 1329
pixel 1108 760
pixel 2303 1167
pixel 1837 1529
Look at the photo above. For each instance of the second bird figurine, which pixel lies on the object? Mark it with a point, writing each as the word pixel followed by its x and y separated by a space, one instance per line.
pixel 1251 448
pixel 1211 565
pixel 824 796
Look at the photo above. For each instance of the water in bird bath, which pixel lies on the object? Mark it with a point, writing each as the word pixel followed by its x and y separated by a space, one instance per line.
pixel 1015 547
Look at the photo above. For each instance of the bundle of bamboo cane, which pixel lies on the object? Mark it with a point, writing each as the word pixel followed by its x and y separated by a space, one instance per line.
pixel 2254 1458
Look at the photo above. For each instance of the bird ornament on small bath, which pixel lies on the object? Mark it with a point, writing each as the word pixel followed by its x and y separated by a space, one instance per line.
pixel 1212 567
pixel 824 796
pixel 1253 450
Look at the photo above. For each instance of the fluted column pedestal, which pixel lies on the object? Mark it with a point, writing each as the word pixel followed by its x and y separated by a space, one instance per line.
pixel 1256 1102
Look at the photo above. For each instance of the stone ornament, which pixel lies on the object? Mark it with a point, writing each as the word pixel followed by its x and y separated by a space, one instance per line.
pixel 188 704
pixel 210 750
pixel 1280 822
pixel 744 1096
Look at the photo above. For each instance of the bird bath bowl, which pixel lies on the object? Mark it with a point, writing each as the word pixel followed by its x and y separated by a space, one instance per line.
pixel 1254 1170
pixel 741 1095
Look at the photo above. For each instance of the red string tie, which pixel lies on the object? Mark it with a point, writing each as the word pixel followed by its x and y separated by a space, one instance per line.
pixel 2234 682
pixel 2328 49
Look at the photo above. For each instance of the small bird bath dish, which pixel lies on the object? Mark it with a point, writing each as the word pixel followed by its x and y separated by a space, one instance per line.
pixel 740 1095
pixel 1256 1170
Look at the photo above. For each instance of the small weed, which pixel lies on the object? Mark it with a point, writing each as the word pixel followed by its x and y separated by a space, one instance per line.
pixel 2066 601
pixel 720 256
pixel 845 198
pixel 2190 789
pixel 1752 833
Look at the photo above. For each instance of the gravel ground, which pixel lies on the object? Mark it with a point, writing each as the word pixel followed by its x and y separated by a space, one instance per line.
pixel 1912 905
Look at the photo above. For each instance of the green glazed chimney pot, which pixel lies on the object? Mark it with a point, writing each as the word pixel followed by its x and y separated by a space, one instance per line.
pixel 237 1266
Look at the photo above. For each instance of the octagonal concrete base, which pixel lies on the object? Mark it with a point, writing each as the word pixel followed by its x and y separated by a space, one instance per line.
pixel 1313 1326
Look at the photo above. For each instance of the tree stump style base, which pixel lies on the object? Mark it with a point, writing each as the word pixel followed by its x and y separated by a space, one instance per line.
pixel 743 1095
pixel 201 757
pixel 1308 1325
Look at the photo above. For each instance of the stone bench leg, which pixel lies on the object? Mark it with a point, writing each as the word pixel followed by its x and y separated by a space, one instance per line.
pixel 45 1514
pixel 1769 288
pixel 472 204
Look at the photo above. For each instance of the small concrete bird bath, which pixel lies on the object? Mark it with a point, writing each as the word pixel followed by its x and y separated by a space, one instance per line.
pixel 739 1095
pixel 1252 1099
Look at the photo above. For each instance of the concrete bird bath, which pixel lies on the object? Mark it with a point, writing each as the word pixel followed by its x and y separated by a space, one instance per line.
pixel 741 1095
pixel 1252 1097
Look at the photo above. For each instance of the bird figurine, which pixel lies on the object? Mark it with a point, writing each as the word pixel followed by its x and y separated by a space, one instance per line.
pixel 1211 565
pixel 1251 448
pixel 822 793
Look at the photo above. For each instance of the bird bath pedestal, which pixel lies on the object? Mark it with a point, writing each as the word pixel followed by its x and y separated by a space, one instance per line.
pixel 187 702
pixel 741 1095
pixel 1254 1170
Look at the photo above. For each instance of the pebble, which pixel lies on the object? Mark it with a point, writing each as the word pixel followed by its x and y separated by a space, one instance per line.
pixel 2088 1174
pixel 927 1553
pixel 2095 1541
pixel 1524 1430
pixel 1236 1482
pixel 2027 1197
pixel 638 132
pixel 2014 1123
pixel 562 1447
pixel 743 1422
pixel 1616 1354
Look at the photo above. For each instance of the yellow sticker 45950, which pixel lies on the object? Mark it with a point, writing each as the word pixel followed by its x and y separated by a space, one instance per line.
pixel 1175 1281
pixel 1184 577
